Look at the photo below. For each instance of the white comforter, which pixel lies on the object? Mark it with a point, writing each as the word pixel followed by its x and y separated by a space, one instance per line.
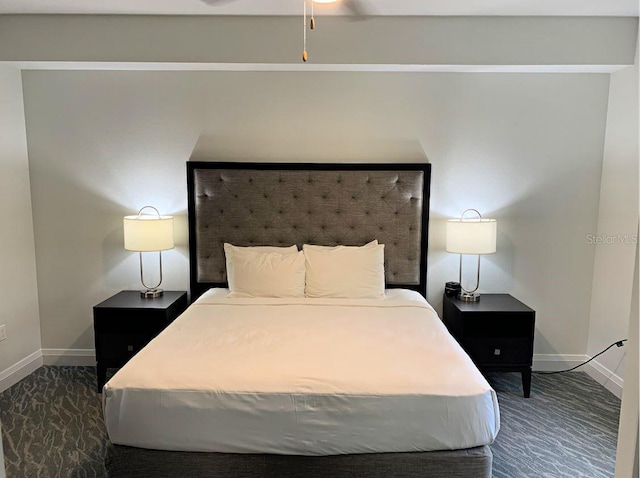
pixel 302 376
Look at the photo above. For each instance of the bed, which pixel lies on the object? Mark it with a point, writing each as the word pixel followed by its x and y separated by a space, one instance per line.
pixel 298 386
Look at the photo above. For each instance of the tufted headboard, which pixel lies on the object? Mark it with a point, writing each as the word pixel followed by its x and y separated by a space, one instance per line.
pixel 282 204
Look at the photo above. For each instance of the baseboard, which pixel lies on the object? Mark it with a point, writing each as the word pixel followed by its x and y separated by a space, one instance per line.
pixel 556 362
pixel 73 357
pixel 605 377
pixel 20 370
pixel 31 363
pixel 601 374
pixel 87 357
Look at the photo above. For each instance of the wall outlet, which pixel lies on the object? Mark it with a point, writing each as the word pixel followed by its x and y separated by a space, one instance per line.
pixel 3 332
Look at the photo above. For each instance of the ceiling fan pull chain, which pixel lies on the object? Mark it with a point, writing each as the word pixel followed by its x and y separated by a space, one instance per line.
pixel 304 32
pixel 312 23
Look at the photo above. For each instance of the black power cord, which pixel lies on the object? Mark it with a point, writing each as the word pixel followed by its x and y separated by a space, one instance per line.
pixel 619 343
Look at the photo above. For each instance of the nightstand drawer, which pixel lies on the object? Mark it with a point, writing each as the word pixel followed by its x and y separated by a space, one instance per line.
pixel 498 324
pixel 120 347
pixel 489 351
pixel 141 322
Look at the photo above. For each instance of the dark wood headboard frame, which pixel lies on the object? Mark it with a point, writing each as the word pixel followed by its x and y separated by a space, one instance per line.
pixel 199 287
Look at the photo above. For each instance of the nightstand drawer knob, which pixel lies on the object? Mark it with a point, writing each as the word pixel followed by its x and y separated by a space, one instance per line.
pixel 130 348
pixel 496 352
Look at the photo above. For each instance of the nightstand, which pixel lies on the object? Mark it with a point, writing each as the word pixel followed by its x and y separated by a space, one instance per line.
pixel 126 322
pixel 496 332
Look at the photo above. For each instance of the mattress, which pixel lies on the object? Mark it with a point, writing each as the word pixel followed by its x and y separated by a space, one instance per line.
pixel 302 377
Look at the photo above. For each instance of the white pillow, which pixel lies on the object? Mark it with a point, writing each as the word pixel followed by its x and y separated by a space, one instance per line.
pixel 231 249
pixel 345 271
pixel 329 248
pixel 265 274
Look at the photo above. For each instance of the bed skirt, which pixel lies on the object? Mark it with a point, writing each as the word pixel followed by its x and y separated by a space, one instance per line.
pixel 129 462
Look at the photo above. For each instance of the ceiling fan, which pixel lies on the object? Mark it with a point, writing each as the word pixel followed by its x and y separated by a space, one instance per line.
pixel 358 9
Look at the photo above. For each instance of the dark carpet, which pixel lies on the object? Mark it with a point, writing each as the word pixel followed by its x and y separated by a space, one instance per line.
pixel 567 428
pixel 52 426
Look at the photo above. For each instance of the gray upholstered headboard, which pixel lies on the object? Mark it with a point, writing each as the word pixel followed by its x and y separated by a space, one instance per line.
pixel 282 204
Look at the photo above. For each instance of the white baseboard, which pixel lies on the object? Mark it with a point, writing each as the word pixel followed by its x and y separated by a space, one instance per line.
pixel 20 370
pixel 556 362
pixel 601 374
pixel 74 357
pixel 87 357
pixel 31 363
pixel 605 377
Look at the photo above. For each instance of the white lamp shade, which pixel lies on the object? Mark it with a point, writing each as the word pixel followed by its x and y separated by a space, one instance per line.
pixel 471 236
pixel 148 233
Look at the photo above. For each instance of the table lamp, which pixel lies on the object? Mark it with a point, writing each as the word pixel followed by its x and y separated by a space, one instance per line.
pixel 471 236
pixel 148 233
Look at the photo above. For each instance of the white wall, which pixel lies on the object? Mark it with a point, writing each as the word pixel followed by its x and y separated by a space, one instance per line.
pixel 627 452
pixel 617 230
pixel 19 354
pixel 420 40
pixel 526 149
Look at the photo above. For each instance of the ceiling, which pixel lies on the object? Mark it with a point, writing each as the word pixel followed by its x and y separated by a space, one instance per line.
pixel 294 7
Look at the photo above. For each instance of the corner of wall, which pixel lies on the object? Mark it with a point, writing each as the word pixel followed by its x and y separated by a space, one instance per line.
pixel 616 235
pixel 20 353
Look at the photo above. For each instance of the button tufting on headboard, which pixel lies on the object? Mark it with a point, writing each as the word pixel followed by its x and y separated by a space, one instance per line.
pixel 254 206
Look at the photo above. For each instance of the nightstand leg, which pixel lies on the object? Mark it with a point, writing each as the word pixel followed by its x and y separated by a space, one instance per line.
pixel 102 376
pixel 526 383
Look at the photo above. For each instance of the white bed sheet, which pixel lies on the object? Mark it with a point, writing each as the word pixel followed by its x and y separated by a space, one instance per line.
pixel 302 377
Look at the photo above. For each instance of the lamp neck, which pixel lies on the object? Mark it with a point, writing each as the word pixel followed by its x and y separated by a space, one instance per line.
pixel 154 288
pixel 477 277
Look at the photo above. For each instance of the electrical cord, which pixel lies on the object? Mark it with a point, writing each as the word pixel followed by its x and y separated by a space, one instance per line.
pixel 619 343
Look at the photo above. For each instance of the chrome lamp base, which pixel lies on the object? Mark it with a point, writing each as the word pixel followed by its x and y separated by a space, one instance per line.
pixel 151 293
pixel 155 291
pixel 469 297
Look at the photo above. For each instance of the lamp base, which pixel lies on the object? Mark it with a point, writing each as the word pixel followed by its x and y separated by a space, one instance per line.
pixel 151 293
pixel 469 297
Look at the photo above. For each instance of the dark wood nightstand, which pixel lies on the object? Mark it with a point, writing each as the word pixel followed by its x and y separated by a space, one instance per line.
pixel 126 322
pixel 496 332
